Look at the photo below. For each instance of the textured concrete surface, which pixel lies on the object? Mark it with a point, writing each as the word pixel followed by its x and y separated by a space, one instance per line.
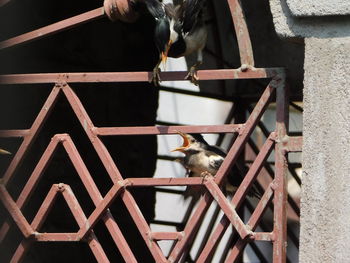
pixel 288 25
pixel 325 210
pixel 319 7
pixel 325 197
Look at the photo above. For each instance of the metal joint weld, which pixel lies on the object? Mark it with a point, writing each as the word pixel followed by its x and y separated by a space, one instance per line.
pixel 61 187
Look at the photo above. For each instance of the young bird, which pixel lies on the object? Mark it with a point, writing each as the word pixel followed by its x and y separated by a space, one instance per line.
pixel 202 159
pixel 180 30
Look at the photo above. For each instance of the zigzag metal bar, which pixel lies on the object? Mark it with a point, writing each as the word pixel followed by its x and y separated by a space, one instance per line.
pixel 72 237
pixel 80 217
pixel 37 222
pixel 227 208
pixel 88 183
pixel 132 182
pixel 32 182
pixel 88 224
pixel 238 197
pixel 15 212
pixel 252 222
pixel 114 173
pixel 53 28
pixel 193 224
pixel 34 130
pixel 96 197
pixel 231 157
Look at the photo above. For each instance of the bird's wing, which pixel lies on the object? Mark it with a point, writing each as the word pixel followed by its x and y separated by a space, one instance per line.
pixel 189 12
pixel 215 160
pixel 156 8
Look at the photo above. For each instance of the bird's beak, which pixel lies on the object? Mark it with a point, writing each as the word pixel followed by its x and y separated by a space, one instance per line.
pixel 165 53
pixel 2 151
pixel 185 144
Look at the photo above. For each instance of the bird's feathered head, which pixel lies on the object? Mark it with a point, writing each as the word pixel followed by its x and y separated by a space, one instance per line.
pixel 191 142
pixel 162 36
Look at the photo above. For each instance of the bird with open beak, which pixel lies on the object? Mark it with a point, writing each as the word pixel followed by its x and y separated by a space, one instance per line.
pixel 202 159
pixel 2 151
pixel 179 31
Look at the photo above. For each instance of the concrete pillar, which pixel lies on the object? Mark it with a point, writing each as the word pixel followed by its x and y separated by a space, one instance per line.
pixel 325 199
pixel 325 203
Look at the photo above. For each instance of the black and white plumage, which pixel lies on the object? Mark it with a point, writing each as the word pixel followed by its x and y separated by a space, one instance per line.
pixel 202 159
pixel 180 30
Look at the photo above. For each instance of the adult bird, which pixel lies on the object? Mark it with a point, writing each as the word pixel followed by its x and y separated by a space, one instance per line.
pixel 202 159
pixel 179 31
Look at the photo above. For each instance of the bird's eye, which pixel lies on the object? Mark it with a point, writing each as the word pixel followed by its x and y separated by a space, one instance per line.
pixel 192 140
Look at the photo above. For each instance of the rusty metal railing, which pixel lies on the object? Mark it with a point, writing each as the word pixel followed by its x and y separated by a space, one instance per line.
pixel 276 191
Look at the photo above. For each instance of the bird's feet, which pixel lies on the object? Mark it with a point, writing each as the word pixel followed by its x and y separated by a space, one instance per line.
pixel 205 175
pixel 156 77
pixel 192 75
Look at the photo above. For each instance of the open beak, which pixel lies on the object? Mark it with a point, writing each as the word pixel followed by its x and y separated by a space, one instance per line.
pixel 185 144
pixel 165 53
pixel 4 151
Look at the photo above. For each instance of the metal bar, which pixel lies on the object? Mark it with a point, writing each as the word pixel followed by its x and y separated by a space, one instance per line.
pixel 294 144
pixel 228 209
pixel 36 224
pixel 14 133
pixel 161 130
pixel 252 121
pixel 88 224
pixel 166 235
pixel 15 212
pixel 280 197
pixel 142 182
pixel 232 156
pixel 268 175
pixel 241 29
pixel 32 182
pixel 252 222
pixel 138 76
pixel 29 139
pixel 262 236
pixel 80 217
pixel 238 198
pixel 113 172
pixel 57 237
pixel 96 197
pixel 53 28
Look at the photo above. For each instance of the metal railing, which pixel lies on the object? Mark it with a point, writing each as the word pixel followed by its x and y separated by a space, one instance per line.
pixel 275 191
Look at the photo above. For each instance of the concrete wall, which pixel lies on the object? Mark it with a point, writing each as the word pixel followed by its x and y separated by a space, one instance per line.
pixel 325 200
pixel 325 211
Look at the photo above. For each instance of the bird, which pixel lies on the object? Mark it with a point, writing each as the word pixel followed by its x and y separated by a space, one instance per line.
pixel 179 31
pixel 202 159
pixel 2 151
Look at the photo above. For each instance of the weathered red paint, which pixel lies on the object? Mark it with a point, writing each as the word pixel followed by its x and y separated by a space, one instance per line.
pixel 275 190
pixel 53 28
